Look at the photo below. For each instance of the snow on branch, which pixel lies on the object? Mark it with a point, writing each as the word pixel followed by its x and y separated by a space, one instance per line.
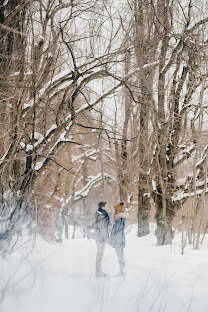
pixel 94 180
pixel 58 82
pixel 185 153
pixel 182 195
pixel 61 139
pixel 89 154
pixel 4 156
pixel 190 187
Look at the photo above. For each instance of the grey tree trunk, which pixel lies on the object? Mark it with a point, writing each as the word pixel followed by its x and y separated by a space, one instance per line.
pixel 165 212
pixel 143 210
pixel 163 233
pixel 143 222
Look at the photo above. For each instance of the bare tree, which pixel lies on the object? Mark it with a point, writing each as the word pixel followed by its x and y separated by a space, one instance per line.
pixel 60 62
pixel 172 37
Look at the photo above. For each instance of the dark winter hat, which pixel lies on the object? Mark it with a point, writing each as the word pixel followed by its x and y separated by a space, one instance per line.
pixel 101 204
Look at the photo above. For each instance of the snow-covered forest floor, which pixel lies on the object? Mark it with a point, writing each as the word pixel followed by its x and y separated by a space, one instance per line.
pixel 61 277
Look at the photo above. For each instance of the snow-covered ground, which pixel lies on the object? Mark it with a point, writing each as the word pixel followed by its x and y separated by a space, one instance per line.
pixel 61 277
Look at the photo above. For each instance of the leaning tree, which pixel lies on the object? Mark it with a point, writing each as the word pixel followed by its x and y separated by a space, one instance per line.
pixel 52 55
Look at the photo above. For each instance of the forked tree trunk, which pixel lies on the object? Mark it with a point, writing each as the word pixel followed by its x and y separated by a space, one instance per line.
pixel 164 219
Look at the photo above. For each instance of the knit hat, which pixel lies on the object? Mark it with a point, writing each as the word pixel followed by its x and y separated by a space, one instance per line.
pixel 119 207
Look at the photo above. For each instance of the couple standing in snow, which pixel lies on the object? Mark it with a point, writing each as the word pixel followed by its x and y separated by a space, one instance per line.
pixel 116 238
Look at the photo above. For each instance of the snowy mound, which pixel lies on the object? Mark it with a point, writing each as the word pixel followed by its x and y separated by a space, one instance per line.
pixel 61 277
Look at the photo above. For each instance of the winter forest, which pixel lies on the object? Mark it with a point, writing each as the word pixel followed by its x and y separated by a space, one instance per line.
pixel 103 101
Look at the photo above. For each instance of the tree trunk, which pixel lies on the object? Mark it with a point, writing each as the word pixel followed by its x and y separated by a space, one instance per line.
pixel 163 233
pixel 164 217
pixel 143 222
pixel 66 228
pixel 143 209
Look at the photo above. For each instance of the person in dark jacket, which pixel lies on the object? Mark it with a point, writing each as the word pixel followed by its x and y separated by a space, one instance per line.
pixel 101 225
pixel 117 237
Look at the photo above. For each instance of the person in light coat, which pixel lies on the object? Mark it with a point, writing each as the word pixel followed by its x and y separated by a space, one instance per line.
pixel 117 238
